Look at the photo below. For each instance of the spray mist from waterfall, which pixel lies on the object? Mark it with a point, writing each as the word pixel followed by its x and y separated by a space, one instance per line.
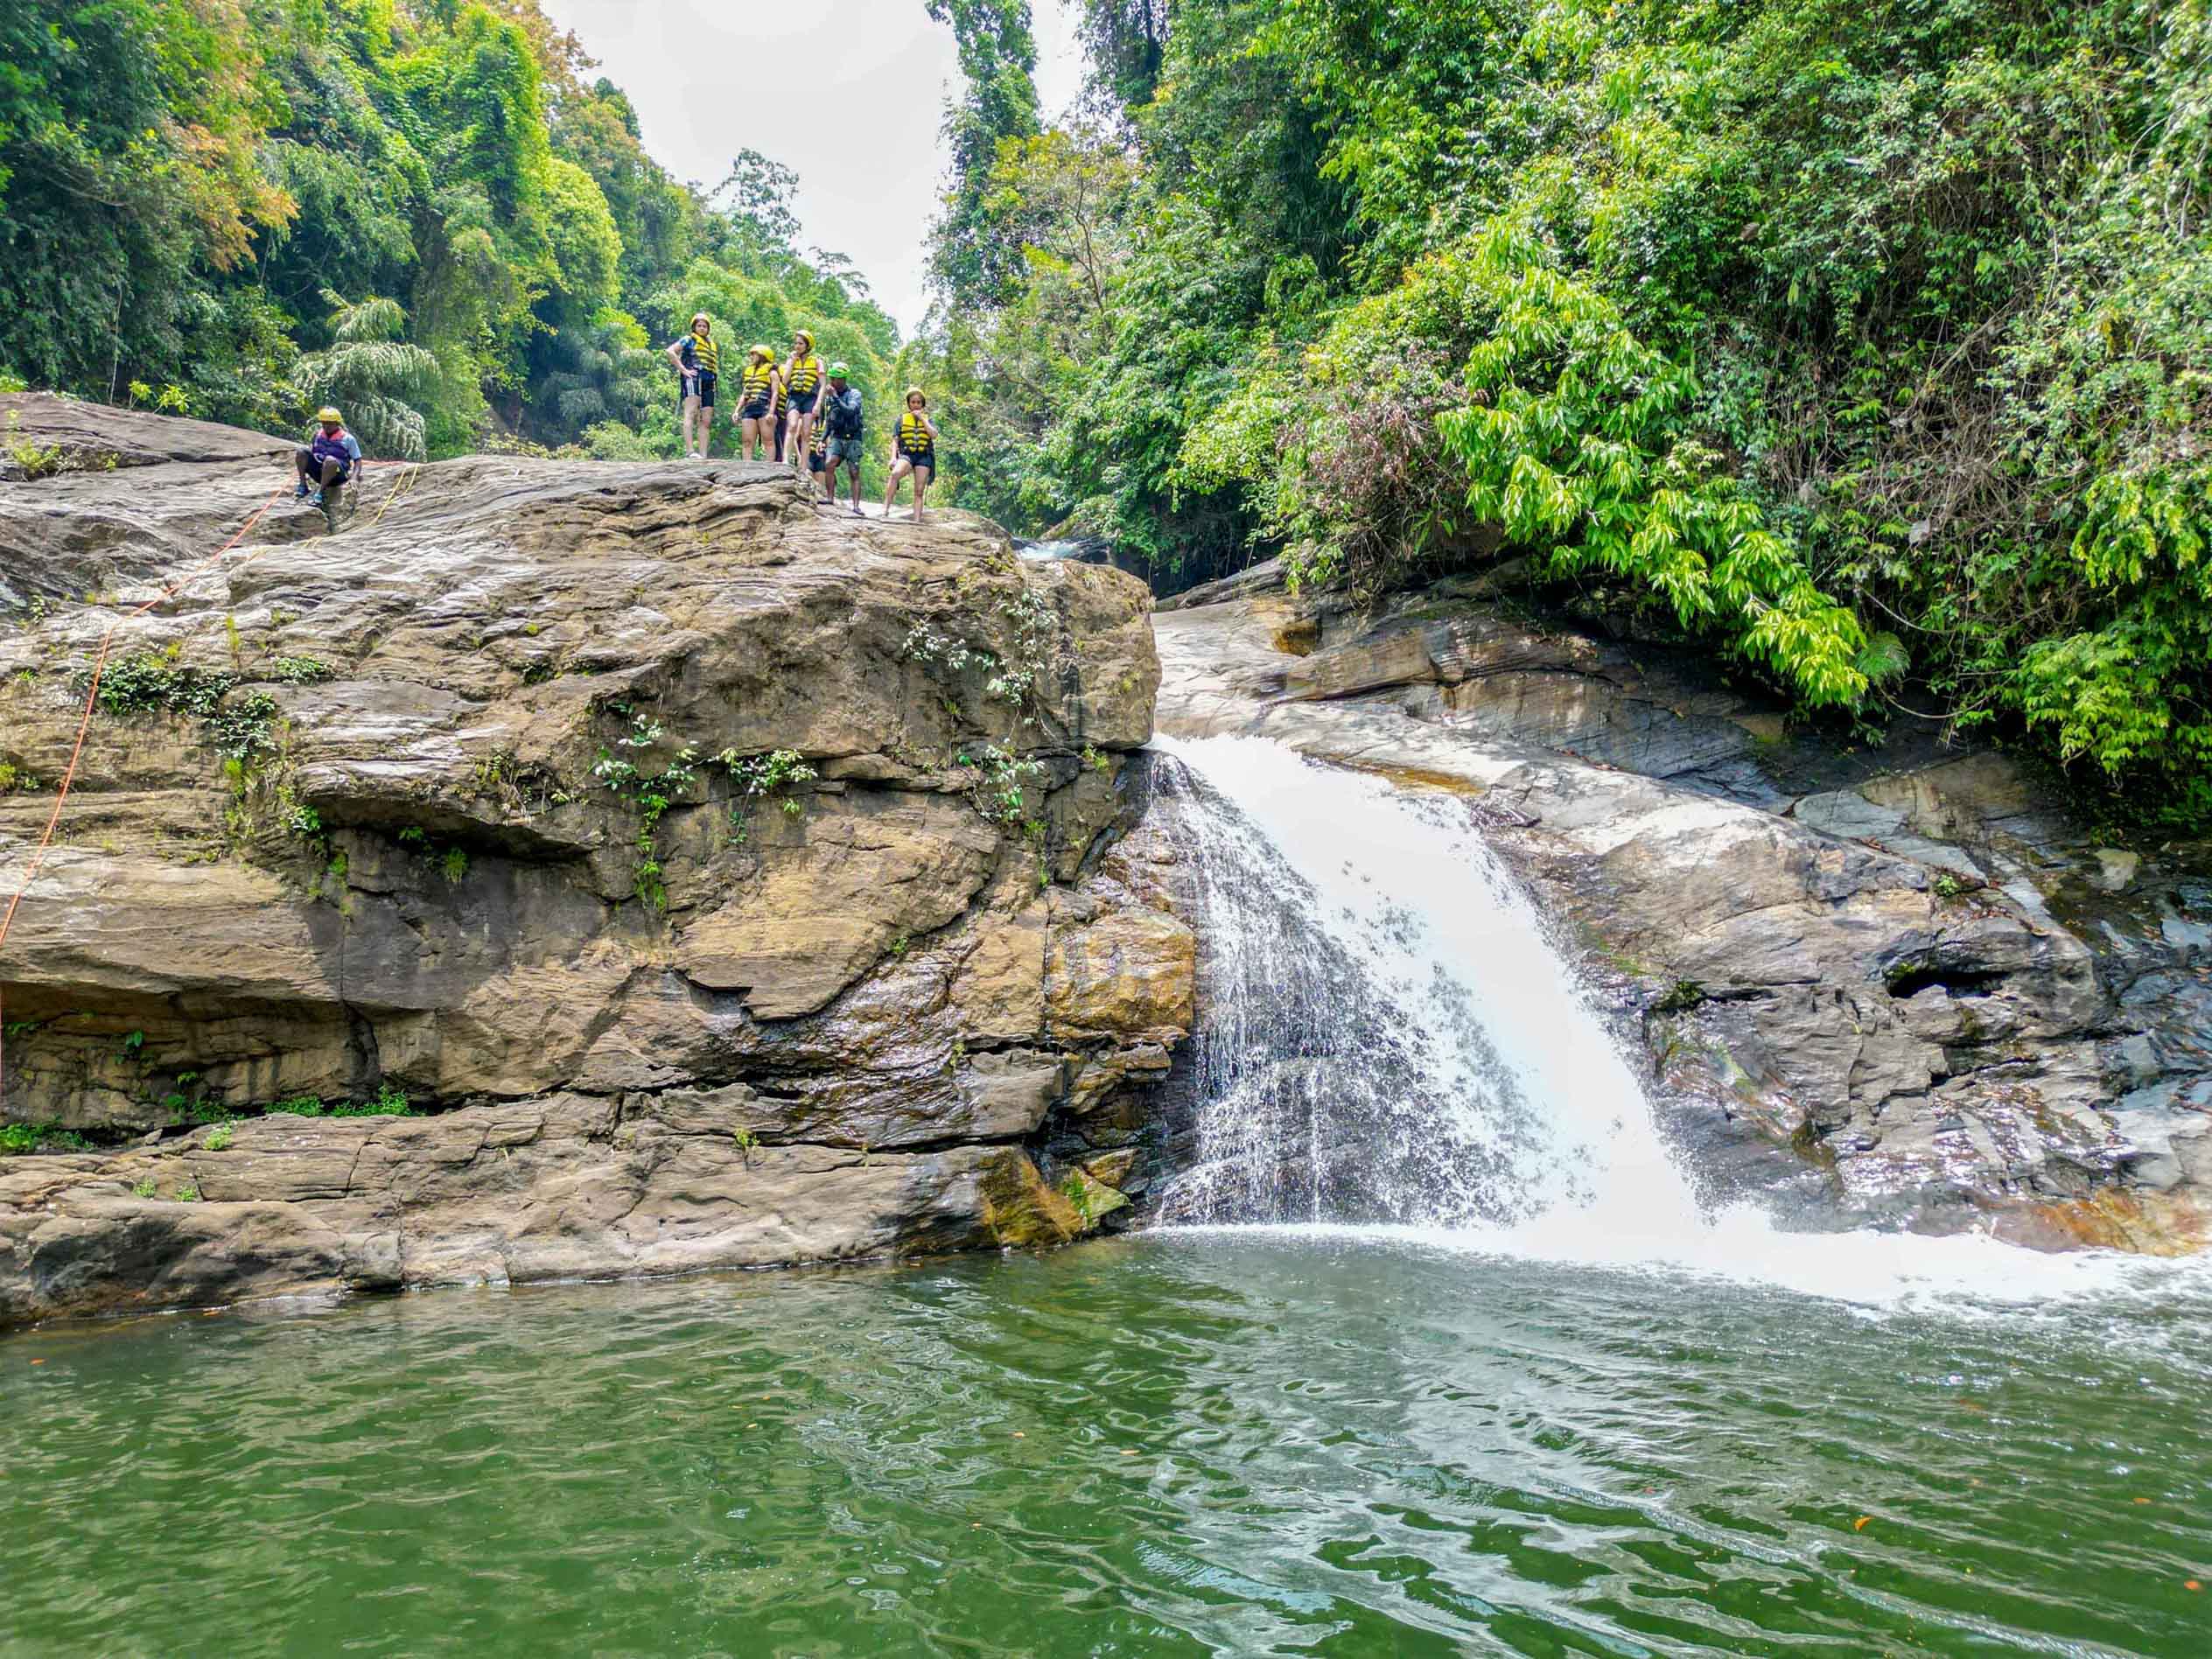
pixel 1389 1043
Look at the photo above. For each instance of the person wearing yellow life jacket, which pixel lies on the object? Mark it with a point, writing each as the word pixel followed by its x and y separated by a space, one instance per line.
pixel 802 380
pixel 783 413
pixel 818 456
pixel 913 450
pixel 696 360
pixel 760 392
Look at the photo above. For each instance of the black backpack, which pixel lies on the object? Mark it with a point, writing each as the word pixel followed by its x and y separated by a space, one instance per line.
pixel 845 413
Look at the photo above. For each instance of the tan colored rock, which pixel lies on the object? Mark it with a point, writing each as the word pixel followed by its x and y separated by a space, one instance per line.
pixel 1129 975
pixel 703 1039
pixel 998 993
pixel 820 911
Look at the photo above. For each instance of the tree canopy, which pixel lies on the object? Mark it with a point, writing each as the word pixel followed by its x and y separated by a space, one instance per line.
pixel 1868 343
pixel 421 209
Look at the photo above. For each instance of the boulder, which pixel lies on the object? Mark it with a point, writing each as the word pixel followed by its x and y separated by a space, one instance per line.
pixel 714 876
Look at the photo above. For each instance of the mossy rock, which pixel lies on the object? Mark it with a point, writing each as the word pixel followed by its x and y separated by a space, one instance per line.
pixel 1019 1210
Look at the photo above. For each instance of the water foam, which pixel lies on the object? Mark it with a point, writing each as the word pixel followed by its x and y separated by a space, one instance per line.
pixel 1390 1048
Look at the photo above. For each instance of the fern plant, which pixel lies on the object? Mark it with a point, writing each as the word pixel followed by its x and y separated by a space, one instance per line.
pixel 373 374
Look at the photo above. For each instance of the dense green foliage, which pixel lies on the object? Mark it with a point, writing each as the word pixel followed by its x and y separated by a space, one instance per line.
pixel 1871 342
pixel 418 209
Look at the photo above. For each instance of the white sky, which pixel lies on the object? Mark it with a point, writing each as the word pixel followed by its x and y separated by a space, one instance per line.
pixel 712 77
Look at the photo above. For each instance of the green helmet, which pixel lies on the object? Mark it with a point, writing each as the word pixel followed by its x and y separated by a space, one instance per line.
pixel 837 371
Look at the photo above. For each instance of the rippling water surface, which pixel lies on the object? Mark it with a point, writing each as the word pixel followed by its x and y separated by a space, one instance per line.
pixel 1163 1445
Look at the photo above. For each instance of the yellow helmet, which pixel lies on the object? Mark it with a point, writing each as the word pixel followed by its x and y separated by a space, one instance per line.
pixel 805 334
pixel 766 353
pixel 913 392
pixel 327 415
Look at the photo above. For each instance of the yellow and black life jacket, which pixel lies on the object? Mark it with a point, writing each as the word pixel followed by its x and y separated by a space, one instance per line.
pixel 803 375
pixel 821 443
pixel 913 433
pixel 705 357
pixel 758 378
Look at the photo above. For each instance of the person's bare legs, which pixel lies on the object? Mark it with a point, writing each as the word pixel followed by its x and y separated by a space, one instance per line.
pixel 898 470
pixel 921 489
pixel 690 417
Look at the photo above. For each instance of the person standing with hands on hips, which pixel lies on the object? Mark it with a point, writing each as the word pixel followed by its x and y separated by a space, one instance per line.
pixel 697 361
pixel 913 450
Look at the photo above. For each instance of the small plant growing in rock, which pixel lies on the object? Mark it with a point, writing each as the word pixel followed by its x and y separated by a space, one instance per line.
pixel 188 1193
pixel 144 1189
pixel 302 670
pixel 300 1106
pixel 757 777
pixel 1094 761
pixel 1947 886
pixel 453 866
pixel 1002 782
pixel 219 1138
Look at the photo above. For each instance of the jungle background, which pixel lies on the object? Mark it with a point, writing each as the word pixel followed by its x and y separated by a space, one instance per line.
pixel 1867 345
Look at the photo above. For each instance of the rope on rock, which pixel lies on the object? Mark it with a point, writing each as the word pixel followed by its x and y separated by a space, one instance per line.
pixel 84 724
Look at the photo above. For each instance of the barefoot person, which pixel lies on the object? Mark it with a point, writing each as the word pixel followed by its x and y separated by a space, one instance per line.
pixel 913 450
pixel 761 389
pixel 696 360
pixel 802 380
pixel 841 418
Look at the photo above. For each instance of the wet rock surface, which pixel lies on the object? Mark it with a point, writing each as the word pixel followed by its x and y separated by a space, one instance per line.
pixel 720 882
pixel 1910 970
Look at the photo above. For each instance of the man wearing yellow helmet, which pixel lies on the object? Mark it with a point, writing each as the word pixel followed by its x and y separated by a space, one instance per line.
pixel 759 394
pixel 329 458
pixel 913 450
pixel 802 380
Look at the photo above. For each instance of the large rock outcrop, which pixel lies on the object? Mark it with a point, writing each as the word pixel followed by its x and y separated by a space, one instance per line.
pixel 1906 966
pixel 719 881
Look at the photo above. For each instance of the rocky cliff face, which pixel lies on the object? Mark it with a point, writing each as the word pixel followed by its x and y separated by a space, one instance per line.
pixel 1905 967
pixel 717 881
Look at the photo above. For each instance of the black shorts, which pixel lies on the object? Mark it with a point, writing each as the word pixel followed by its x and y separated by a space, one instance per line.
pixel 925 461
pixel 818 462
pixel 699 383
pixel 804 402
pixel 757 411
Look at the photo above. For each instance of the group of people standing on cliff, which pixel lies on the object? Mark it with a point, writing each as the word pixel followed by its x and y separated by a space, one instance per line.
pixel 806 416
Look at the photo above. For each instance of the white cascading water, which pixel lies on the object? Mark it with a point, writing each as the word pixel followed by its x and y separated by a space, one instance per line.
pixel 1388 1041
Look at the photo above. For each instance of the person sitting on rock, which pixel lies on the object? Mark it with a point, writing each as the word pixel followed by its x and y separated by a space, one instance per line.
pixel 329 458
pixel 913 450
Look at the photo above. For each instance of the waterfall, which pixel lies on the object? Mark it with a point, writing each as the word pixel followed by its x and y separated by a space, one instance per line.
pixel 1385 1034
pixel 1388 1043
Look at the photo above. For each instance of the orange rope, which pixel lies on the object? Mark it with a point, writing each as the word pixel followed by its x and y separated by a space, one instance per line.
pixel 84 722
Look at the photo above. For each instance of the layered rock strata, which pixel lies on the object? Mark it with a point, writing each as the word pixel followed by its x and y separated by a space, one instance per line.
pixel 717 882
